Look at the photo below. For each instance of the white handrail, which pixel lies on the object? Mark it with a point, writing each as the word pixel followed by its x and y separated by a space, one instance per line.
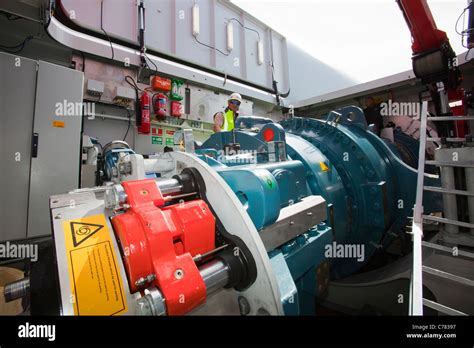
pixel 416 281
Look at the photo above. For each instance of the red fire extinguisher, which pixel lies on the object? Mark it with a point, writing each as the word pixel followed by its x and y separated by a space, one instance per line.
pixel 144 127
pixel 160 102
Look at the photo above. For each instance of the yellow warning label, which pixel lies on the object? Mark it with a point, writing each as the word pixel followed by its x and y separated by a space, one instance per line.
pixel 96 284
pixel 59 124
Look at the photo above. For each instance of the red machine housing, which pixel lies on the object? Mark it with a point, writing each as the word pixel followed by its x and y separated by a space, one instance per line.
pixel 161 241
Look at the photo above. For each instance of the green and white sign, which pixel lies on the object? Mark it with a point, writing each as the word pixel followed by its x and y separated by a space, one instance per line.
pixel 157 140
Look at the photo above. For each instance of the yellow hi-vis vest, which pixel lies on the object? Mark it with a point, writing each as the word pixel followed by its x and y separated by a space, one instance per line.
pixel 228 124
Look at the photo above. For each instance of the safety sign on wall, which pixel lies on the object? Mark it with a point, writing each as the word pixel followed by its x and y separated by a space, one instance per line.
pixel 96 283
pixel 157 140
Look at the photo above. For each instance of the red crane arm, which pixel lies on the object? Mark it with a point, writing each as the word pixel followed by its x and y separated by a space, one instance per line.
pixel 426 36
pixel 434 60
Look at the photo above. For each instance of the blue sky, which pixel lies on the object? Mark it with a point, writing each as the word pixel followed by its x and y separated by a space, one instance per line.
pixel 365 39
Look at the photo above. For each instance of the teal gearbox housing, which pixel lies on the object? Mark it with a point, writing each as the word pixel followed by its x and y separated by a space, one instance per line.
pixel 369 190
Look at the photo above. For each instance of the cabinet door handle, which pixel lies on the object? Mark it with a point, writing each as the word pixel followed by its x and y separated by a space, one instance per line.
pixel 34 145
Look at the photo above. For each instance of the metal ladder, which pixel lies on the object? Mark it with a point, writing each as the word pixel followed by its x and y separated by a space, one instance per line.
pixel 417 301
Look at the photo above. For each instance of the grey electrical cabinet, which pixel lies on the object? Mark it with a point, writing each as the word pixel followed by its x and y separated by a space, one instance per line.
pixel 40 137
pixel 17 95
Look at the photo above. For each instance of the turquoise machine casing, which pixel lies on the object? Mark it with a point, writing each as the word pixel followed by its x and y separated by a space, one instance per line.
pixel 265 181
pixel 370 191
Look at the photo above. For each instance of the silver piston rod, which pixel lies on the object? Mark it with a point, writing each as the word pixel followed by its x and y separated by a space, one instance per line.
pixel 116 196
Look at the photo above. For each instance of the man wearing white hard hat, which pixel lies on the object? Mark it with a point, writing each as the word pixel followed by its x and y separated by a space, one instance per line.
pixel 225 121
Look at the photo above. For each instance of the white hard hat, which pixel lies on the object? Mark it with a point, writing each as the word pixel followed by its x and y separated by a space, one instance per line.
pixel 236 96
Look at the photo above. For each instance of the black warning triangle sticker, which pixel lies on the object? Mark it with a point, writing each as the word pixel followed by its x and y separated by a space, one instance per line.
pixel 82 231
